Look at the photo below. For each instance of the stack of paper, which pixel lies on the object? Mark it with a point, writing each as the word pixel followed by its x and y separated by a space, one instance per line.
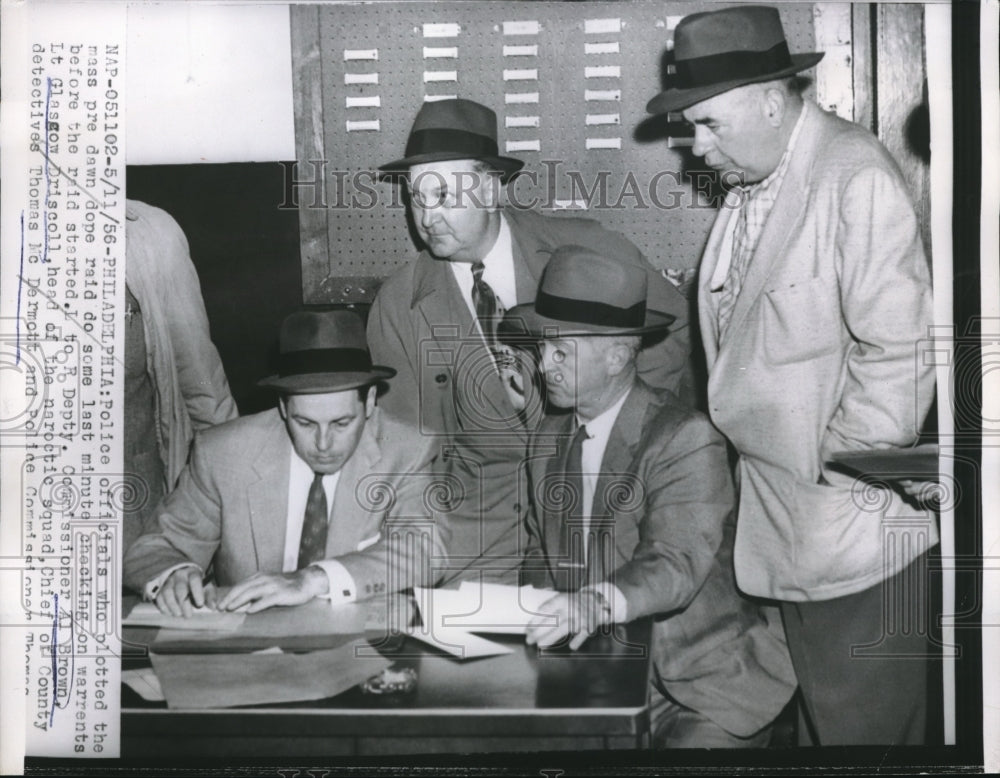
pixel 450 616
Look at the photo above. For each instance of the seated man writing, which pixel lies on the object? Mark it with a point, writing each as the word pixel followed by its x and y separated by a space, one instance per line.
pixel 632 514
pixel 317 497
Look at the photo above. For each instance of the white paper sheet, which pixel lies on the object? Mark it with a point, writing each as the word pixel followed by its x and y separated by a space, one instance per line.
pixel 144 683
pixel 459 643
pixel 482 607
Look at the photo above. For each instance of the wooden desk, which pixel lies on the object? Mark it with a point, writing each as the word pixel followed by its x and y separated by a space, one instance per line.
pixel 524 701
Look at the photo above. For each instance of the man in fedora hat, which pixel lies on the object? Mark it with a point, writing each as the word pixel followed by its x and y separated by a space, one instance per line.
pixel 633 514
pixel 435 320
pixel 317 497
pixel 814 292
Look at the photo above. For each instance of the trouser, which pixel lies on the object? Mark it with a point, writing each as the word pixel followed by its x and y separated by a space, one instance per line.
pixel 675 726
pixel 861 662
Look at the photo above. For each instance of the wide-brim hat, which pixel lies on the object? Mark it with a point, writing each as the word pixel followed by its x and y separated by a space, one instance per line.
pixel 584 293
pixel 716 51
pixel 324 351
pixel 453 129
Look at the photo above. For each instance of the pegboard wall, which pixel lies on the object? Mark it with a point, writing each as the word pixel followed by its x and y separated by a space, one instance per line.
pixel 569 83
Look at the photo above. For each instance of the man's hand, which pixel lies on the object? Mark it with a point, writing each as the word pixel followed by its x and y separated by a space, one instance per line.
pixel 183 591
pixel 926 494
pixel 519 374
pixel 579 614
pixel 262 590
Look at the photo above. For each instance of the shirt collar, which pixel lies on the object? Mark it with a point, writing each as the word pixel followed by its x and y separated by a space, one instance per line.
pixel 779 172
pixel 300 469
pixel 499 268
pixel 600 426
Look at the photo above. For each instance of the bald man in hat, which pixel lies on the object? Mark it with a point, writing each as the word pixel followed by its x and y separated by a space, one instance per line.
pixel 435 320
pixel 814 292
pixel 633 514
pixel 319 497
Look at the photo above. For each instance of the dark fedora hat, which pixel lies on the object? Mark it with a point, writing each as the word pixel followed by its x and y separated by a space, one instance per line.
pixel 324 351
pixel 585 293
pixel 716 51
pixel 453 129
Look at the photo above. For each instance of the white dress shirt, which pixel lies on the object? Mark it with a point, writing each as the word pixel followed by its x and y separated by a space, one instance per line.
pixel 498 272
pixel 739 197
pixel 300 478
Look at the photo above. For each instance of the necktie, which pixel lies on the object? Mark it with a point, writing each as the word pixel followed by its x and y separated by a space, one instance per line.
pixel 312 545
pixel 737 268
pixel 571 550
pixel 488 308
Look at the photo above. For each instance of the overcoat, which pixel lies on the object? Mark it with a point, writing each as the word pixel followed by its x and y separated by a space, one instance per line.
pixel 823 354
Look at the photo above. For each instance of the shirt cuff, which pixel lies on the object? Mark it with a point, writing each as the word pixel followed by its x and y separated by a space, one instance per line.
pixel 614 596
pixel 342 587
pixel 153 587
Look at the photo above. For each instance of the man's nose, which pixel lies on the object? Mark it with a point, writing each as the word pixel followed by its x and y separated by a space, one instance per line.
pixel 324 438
pixel 428 215
pixel 702 141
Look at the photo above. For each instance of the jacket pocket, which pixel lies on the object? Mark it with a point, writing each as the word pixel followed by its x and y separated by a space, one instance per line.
pixel 801 321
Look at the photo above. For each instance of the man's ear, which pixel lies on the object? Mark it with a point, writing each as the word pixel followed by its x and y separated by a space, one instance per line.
pixel 775 106
pixel 282 410
pixel 618 356
pixel 370 401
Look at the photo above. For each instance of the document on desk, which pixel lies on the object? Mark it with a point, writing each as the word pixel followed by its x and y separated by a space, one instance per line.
pixel 146 614
pixel 482 607
pixel 452 616
pixel 313 626
pixel 458 642
pixel 222 680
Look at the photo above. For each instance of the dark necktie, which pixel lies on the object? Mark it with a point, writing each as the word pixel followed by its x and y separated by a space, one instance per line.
pixel 312 545
pixel 486 303
pixel 571 550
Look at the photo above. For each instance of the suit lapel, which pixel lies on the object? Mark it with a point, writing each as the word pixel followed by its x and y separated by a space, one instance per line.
pixel 781 223
pixel 547 490
pixel 350 522
pixel 616 464
pixel 267 497
pixel 707 309
pixel 446 315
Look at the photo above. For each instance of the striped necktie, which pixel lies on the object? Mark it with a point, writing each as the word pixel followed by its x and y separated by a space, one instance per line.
pixel 488 308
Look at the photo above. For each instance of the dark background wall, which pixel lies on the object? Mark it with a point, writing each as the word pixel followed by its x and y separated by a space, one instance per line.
pixel 246 251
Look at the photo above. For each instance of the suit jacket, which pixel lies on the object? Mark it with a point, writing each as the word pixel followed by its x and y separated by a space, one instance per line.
pixel 665 497
pixel 420 324
pixel 821 356
pixel 229 509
